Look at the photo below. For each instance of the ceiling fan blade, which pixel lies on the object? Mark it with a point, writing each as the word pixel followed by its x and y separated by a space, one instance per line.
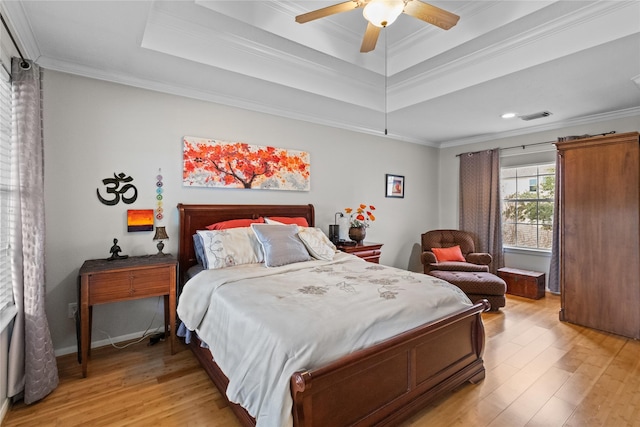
pixel 328 11
pixel 370 38
pixel 431 14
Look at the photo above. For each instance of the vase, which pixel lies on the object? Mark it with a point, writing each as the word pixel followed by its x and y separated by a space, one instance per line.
pixel 357 234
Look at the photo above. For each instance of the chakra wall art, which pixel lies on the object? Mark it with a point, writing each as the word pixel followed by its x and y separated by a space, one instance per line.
pixel 216 163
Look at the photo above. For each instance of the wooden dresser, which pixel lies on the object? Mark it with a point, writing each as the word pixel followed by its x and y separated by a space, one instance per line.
pixel 366 250
pixel 599 188
pixel 523 283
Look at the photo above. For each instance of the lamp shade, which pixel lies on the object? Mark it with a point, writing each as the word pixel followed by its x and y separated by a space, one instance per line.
pixel 161 234
pixel 383 12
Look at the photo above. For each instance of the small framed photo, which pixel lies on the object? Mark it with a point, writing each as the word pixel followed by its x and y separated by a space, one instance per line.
pixel 394 186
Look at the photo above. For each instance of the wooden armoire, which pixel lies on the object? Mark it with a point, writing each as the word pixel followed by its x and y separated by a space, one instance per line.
pixel 599 191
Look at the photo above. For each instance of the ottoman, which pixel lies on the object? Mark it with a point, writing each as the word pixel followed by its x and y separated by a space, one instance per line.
pixel 477 285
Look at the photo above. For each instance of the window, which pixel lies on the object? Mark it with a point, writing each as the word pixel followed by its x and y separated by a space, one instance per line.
pixel 6 290
pixel 527 206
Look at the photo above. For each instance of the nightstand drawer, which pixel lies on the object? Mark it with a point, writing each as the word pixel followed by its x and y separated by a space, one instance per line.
pixel 369 255
pixel 131 284
pixel 367 250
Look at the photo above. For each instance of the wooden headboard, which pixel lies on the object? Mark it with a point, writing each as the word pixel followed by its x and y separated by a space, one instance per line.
pixel 197 217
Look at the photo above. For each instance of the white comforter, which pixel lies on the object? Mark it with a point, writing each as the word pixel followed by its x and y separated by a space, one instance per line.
pixel 263 324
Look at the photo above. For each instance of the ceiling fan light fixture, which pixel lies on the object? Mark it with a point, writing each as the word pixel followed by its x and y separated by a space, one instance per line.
pixel 382 13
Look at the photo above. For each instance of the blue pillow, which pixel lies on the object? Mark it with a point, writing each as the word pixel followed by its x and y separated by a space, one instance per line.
pixel 198 247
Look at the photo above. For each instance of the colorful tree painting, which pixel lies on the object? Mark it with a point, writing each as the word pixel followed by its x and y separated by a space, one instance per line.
pixel 215 163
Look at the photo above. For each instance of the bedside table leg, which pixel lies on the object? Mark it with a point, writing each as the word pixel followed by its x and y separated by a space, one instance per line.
pixel 85 324
pixel 172 322
pixel 171 308
pixel 167 319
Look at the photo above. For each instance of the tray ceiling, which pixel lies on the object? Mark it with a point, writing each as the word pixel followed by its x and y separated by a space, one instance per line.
pixel 580 60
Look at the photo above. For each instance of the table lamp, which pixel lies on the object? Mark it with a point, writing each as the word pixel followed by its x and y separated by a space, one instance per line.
pixel 334 229
pixel 161 234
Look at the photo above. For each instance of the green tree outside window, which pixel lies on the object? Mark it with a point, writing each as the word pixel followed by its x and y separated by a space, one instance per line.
pixel 527 209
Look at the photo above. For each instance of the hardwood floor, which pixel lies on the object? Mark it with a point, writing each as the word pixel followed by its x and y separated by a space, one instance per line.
pixel 540 372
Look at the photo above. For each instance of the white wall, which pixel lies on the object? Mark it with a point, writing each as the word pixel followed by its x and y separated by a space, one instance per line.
pixel 448 176
pixel 93 129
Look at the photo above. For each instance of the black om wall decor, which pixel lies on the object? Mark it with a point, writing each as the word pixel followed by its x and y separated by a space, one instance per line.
pixel 117 192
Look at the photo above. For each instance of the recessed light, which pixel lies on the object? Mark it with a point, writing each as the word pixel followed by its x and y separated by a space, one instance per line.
pixel 508 115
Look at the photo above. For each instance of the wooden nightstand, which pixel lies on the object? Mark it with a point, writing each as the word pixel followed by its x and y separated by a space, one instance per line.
pixel 103 281
pixel 366 250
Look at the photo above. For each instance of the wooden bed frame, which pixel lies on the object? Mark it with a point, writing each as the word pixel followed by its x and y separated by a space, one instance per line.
pixel 380 385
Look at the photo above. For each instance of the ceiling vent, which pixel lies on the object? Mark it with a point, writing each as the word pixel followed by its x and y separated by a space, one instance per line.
pixel 534 116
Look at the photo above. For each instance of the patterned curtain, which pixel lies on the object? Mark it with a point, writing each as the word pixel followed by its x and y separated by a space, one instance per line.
pixel 32 364
pixel 480 202
pixel 554 264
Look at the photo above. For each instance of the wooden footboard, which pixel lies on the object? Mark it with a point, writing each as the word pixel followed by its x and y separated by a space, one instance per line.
pixel 386 383
pixel 383 384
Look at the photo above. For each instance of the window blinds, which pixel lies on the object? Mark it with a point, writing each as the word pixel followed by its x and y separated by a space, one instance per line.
pixel 6 189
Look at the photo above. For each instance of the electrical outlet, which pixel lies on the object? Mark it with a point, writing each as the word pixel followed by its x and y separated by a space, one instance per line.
pixel 71 310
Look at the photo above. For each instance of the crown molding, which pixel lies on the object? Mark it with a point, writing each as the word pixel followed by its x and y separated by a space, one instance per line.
pixel 176 31
pixel 430 40
pixel 595 118
pixel 268 108
pixel 327 36
pixel 14 14
pixel 341 121
pixel 497 59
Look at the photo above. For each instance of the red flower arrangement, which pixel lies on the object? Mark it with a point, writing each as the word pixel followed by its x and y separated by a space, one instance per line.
pixel 361 216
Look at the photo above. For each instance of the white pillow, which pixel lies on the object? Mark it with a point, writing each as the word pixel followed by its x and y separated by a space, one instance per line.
pixel 317 243
pixel 233 246
pixel 280 244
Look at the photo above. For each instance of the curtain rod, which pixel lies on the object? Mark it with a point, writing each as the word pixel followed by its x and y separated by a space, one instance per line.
pixel 523 146
pixel 24 64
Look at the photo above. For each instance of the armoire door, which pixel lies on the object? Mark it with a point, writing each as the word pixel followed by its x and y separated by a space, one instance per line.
pixel 600 252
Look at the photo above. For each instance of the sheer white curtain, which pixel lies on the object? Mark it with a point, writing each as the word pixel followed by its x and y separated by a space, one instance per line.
pixel 32 363
pixel 480 202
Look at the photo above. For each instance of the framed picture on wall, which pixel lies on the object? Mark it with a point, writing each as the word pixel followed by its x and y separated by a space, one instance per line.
pixel 394 186
pixel 140 220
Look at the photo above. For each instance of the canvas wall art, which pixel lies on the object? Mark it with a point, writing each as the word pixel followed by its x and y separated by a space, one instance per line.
pixel 216 163
pixel 140 220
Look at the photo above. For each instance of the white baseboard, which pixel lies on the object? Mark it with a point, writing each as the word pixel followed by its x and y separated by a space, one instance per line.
pixel 74 349
pixel 4 409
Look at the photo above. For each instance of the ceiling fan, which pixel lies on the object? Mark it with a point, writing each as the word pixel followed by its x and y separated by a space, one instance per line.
pixel 382 13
